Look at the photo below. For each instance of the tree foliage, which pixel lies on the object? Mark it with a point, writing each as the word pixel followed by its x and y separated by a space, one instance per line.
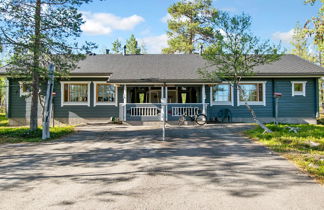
pixel 189 25
pixel 117 47
pixel 35 33
pixel 300 44
pixel 314 28
pixel 235 52
pixel 132 46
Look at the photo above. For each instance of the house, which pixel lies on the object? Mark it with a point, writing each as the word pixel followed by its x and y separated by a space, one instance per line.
pixel 130 87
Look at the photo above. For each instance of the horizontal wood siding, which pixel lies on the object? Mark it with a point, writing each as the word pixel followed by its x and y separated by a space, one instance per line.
pixel 241 111
pixel 289 106
pixel 296 106
pixel 84 111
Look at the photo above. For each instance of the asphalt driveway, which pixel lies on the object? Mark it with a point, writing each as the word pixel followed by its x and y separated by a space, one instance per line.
pixel 131 168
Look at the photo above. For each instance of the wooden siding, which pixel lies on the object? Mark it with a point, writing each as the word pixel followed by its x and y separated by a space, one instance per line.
pixel 289 106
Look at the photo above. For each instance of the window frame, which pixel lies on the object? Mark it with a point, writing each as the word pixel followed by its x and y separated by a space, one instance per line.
pixel 213 103
pixel 21 92
pixel 75 103
pixel 255 103
pixel 96 103
pixel 298 93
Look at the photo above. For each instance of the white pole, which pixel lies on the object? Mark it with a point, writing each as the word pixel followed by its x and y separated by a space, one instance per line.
pixel 203 95
pixel 48 103
pixel 125 102
pixel 166 107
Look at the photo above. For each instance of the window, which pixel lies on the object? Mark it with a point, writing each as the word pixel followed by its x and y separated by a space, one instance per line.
pixel 298 88
pixel 252 92
pixel 25 88
pixel 75 93
pixel 105 94
pixel 222 94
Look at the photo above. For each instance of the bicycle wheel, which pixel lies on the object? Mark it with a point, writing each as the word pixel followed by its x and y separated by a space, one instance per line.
pixel 201 119
pixel 181 120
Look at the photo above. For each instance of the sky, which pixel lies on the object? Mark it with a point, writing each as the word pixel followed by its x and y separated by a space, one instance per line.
pixel 108 20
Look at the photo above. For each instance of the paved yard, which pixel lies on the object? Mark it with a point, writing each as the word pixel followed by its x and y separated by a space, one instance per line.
pixel 130 168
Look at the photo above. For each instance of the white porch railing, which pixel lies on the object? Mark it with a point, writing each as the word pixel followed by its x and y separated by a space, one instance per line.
pixel 179 111
pixel 144 111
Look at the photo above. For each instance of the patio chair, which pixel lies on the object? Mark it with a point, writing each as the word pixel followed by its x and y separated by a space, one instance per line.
pixel 224 114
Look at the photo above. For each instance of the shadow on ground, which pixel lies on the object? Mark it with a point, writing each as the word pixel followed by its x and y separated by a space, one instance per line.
pixel 216 156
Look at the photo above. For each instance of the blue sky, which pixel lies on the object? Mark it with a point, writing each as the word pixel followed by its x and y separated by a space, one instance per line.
pixel 111 19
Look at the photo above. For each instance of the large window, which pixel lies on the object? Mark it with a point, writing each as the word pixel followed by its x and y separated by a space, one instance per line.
pixel 221 94
pixel 75 93
pixel 253 93
pixel 298 88
pixel 105 94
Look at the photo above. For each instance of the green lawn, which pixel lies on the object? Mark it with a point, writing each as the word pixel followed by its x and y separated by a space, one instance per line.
pixel 305 148
pixel 3 119
pixel 23 134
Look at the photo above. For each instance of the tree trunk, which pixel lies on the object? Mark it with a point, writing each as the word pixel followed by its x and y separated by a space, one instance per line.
pixel 266 130
pixel 254 117
pixel 36 64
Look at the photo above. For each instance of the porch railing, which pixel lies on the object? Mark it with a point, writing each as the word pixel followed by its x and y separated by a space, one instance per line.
pixel 144 111
pixel 179 111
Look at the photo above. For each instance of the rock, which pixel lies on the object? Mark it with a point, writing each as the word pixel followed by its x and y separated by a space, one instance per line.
pixel 313 165
pixel 313 144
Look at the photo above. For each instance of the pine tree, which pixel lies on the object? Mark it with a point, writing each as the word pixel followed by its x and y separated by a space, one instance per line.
pixel 300 44
pixel 189 26
pixel 36 33
pixel 117 47
pixel 132 46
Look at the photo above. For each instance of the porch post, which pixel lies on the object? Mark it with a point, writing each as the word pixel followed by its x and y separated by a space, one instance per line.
pixel 166 107
pixel 203 99
pixel 162 96
pixel 125 102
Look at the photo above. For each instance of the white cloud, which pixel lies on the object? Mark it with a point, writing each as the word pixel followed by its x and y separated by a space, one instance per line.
pixel 169 17
pixel 166 18
pixel 155 44
pixel 285 37
pixel 105 23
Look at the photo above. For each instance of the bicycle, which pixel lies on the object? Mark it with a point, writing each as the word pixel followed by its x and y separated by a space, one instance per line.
pixel 199 119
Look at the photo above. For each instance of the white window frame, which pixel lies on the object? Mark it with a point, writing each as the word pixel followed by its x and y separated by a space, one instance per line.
pixel 95 103
pixel 21 92
pixel 75 103
pixel 298 93
pixel 256 103
pixel 213 103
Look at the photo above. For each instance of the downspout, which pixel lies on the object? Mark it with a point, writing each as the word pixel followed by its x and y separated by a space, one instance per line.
pixel 316 106
pixel 273 99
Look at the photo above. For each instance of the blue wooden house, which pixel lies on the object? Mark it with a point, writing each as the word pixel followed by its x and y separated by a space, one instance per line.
pixel 130 87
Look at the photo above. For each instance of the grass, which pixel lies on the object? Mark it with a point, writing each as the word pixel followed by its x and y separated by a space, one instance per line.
pixel 23 134
pixel 3 119
pixel 305 148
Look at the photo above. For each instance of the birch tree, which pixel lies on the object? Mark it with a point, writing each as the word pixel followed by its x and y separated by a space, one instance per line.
pixel 234 54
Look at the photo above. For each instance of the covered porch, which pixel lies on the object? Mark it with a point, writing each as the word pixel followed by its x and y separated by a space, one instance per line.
pixel 142 102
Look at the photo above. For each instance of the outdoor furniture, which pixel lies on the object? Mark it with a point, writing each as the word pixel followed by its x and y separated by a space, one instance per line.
pixel 224 114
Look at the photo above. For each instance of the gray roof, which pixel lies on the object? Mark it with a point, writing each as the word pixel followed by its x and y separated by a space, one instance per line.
pixel 180 67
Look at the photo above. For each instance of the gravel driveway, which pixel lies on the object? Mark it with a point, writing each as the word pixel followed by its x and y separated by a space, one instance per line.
pixel 103 167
